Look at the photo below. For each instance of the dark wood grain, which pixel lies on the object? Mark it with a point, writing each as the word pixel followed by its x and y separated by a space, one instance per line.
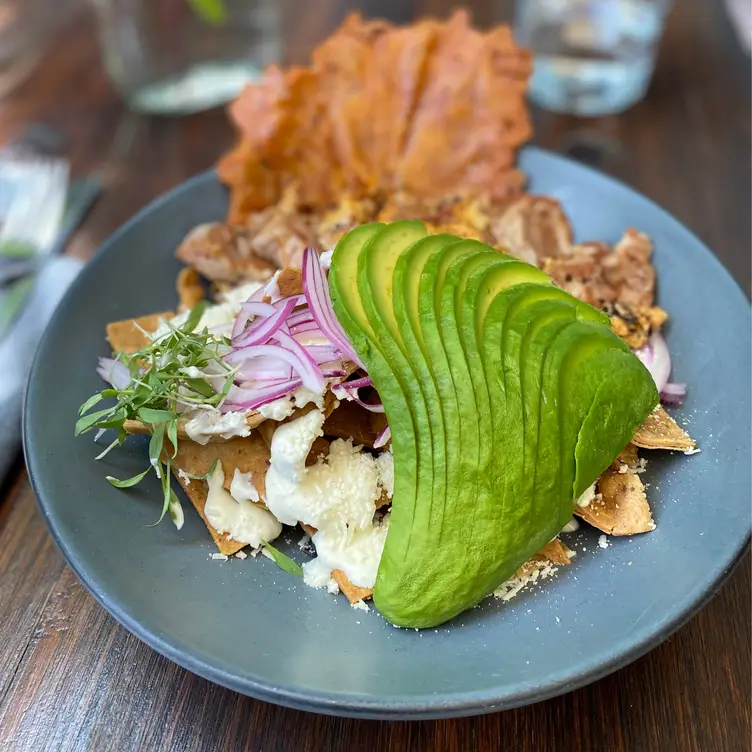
pixel 72 679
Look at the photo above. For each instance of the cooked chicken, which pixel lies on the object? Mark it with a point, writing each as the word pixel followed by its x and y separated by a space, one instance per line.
pixel 223 253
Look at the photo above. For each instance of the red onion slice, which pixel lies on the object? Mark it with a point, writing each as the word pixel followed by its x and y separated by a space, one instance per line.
pixel 114 372
pixel 349 390
pixel 673 394
pixel 260 333
pixel 382 438
pixel 316 292
pixel 310 371
pixel 239 398
pixel 293 354
pixel 656 358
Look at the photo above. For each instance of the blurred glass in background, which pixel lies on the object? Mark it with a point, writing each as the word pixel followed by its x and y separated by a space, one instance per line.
pixel 181 56
pixel 592 57
pixel 25 28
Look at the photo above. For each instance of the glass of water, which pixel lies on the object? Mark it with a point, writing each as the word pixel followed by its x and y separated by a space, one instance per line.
pixel 592 57
pixel 180 56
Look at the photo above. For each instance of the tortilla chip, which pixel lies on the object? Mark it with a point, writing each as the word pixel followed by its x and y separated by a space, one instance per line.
pixel 620 507
pixel 189 287
pixel 126 336
pixel 197 491
pixel 661 431
pixel 628 456
pixel 249 455
pixel 352 592
pixel 555 552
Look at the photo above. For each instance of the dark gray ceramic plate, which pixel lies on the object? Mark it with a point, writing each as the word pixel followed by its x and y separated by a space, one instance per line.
pixel 249 626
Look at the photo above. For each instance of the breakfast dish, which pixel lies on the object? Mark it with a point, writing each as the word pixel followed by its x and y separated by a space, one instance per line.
pixel 253 627
pixel 201 597
pixel 421 376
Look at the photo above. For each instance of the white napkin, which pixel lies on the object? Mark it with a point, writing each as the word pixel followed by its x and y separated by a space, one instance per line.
pixel 19 345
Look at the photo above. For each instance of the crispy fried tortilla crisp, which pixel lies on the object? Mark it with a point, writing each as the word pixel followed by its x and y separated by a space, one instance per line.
pixel 661 431
pixel 431 109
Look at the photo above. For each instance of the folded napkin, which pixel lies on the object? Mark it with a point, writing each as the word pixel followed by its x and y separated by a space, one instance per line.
pixel 18 347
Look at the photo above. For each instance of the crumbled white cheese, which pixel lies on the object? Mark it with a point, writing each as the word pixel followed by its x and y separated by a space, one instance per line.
pixel 243 520
pixel 284 407
pixel 184 477
pixel 337 496
pixel 356 552
pixel 242 488
pixel 360 605
pixel 325 259
pixel 219 557
pixel 696 450
pixel 507 590
pixel 571 526
pixel 587 496
pixel 603 541
pixel 341 489
pixel 207 422
pixel 241 555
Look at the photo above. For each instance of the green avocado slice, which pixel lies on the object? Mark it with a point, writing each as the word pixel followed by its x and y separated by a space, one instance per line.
pixel 406 289
pixel 506 397
pixel 375 285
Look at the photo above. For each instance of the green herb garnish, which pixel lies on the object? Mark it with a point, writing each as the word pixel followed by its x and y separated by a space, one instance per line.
pixel 283 561
pixel 160 387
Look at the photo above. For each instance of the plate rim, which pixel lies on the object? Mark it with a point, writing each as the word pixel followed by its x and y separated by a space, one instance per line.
pixel 394 707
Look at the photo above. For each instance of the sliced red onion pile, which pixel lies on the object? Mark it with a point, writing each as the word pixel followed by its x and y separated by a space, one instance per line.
pixel 288 343
pixel 656 358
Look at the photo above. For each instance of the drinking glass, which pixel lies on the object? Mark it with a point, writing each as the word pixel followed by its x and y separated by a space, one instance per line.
pixel 592 57
pixel 181 56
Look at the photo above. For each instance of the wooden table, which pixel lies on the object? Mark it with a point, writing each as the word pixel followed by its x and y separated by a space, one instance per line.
pixel 71 678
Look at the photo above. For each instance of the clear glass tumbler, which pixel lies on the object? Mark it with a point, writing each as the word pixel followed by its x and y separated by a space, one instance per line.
pixel 592 57
pixel 181 56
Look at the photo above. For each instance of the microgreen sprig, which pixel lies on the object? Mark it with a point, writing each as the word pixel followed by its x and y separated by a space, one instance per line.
pixel 162 383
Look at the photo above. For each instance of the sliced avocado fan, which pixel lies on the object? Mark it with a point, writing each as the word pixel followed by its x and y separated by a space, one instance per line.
pixel 506 398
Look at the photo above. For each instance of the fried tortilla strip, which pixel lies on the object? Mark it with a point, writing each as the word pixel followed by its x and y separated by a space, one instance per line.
pixel 620 507
pixel 248 455
pixel 189 287
pixel 352 592
pixel 661 431
pixel 126 336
